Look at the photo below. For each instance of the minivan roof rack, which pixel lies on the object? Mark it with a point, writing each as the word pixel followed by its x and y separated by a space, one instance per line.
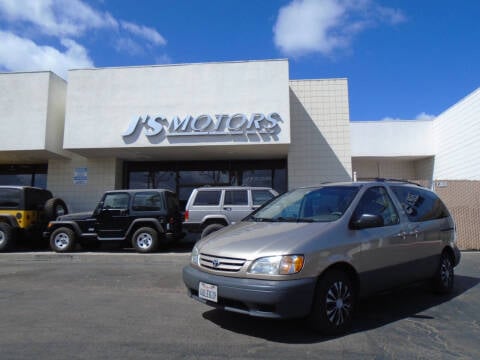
pixel 396 180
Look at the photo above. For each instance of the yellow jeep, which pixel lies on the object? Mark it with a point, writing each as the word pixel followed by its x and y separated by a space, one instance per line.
pixel 25 212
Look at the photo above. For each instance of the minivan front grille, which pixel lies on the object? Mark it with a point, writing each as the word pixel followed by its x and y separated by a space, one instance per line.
pixel 221 263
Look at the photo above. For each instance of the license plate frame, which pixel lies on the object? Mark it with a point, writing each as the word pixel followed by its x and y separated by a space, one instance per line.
pixel 208 291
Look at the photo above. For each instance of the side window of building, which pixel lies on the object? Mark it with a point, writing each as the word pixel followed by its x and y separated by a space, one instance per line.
pixel 375 201
pixel 261 196
pixel 147 201
pixel 116 201
pixel 208 197
pixel 236 197
pixel 420 204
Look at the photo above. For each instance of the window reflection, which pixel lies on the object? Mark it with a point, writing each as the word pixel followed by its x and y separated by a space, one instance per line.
pixel 24 175
pixel 183 177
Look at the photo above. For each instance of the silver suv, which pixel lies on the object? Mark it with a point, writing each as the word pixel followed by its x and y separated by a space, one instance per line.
pixel 313 251
pixel 211 208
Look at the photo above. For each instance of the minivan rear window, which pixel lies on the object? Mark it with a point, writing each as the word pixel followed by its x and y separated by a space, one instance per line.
pixel 209 197
pixel 420 204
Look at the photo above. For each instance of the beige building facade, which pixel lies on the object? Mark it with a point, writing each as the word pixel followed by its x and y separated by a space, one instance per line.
pixel 227 123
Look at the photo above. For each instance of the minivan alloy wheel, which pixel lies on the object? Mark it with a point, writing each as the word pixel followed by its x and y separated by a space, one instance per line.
pixel 446 271
pixel 338 303
pixel 333 304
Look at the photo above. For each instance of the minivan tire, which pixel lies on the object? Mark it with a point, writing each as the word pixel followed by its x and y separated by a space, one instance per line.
pixel 210 229
pixel 443 278
pixel 333 304
pixel 6 236
pixel 62 240
pixel 145 240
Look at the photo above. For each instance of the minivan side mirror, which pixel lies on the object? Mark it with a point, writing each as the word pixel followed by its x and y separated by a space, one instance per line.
pixel 366 221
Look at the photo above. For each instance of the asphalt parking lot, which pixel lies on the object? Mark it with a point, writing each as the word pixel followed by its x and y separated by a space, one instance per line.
pixel 123 305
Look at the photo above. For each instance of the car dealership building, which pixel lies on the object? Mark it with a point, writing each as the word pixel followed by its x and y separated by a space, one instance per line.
pixel 229 123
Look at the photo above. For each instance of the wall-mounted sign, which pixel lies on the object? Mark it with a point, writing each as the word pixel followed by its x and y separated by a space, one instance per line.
pixel 205 124
pixel 80 176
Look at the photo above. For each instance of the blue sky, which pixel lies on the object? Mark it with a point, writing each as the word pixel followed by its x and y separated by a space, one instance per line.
pixel 403 59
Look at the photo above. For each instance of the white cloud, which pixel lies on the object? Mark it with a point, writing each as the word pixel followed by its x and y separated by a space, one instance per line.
pixel 323 26
pixel 425 116
pixel 145 32
pixel 28 21
pixel 21 54
pixel 422 116
pixel 57 17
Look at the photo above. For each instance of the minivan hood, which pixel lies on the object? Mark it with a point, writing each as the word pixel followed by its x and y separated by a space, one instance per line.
pixel 250 240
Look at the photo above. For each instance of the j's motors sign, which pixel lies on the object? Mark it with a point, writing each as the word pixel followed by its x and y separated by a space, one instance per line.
pixel 205 124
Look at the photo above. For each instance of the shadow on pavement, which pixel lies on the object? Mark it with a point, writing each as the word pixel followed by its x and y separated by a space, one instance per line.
pixel 372 313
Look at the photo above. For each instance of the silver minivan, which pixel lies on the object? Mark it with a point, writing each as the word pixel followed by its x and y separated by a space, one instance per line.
pixel 209 209
pixel 313 251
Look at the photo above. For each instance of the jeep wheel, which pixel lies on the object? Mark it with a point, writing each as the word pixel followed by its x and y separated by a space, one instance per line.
pixel 443 278
pixel 333 304
pixel 210 229
pixel 145 240
pixel 54 208
pixel 62 240
pixel 6 236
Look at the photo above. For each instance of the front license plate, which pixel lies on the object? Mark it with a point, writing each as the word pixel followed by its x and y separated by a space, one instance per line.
pixel 207 291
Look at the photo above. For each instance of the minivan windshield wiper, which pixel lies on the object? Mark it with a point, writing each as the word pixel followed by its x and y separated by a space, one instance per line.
pixel 259 219
pixel 305 220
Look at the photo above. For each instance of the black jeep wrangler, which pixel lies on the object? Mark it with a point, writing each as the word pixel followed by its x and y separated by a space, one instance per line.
pixel 146 219
pixel 24 214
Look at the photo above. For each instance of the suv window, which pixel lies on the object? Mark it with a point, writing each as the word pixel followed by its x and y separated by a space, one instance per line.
pixel 208 197
pixel 261 196
pixel 375 201
pixel 116 201
pixel 10 198
pixel 420 204
pixel 147 201
pixel 236 197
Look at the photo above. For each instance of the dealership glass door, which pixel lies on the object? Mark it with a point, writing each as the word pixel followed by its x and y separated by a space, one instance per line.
pixel 184 176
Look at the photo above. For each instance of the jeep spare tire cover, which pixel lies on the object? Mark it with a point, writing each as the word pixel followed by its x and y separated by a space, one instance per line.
pixel 54 208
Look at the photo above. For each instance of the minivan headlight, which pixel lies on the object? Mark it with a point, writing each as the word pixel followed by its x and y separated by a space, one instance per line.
pixel 277 265
pixel 195 257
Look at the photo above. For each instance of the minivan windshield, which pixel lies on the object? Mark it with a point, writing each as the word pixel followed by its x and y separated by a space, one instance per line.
pixel 323 204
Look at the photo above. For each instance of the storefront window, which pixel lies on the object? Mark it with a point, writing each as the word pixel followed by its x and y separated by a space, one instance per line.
pixel 152 180
pixel 24 175
pixel 204 177
pixel 183 177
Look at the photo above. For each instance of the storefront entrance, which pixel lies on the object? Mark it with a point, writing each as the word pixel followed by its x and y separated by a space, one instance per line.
pixel 183 177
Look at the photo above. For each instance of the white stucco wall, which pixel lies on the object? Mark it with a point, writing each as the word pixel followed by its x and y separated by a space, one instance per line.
pixel 457 134
pixel 412 138
pixel 101 103
pixel 57 93
pixel 102 174
pixel 320 130
pixel 32 109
